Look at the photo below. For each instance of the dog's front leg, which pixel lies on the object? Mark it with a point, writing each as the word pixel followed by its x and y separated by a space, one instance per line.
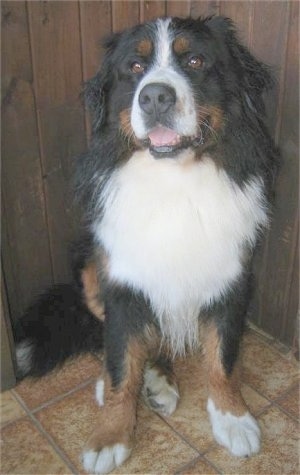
pixel 125 353
pixel 232 424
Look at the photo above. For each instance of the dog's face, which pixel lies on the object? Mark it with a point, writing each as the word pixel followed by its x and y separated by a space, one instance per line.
pixel 171 84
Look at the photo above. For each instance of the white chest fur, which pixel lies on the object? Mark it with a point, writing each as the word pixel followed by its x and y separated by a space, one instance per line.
pixel 176 229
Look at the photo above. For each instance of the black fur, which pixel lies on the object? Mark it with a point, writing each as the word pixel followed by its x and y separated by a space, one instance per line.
pixel 126 315
pixel 231 79
pixel 57 326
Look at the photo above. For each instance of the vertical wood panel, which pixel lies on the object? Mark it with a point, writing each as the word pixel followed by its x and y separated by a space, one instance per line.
pixel 204 8
pixel 96 24
pixel 268 43
pixel 7 373
pixel 242 14
pixel 289 332
pixel 125 14
pixel 44 127
pixel 288 192
pixel 276 277
pixel 178 8
pixel 25 242
pixel 56 52
pixel 152 9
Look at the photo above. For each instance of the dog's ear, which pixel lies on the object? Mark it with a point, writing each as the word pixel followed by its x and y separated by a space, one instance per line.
pixel 96 88
pixel 254 76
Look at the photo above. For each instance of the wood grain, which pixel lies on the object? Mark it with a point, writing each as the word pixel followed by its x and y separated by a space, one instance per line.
pixel 25 242
pixel 152 9
pixel 125 14
pixel 277 277
pixel 57 67
pixel 178 8
pixel 49 49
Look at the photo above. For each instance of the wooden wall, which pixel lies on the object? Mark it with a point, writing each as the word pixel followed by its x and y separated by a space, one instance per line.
pixel 48 49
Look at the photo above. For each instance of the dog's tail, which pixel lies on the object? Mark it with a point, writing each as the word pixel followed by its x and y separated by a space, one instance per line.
pixel 56 326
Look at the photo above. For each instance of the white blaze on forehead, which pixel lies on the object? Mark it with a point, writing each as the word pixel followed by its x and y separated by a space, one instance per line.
pixel 183 117
pixel 164 43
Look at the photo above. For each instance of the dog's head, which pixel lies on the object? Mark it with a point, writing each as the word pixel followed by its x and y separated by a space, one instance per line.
pixel 172 84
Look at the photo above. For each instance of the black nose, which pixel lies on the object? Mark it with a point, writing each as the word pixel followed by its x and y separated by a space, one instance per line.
pixel 156 99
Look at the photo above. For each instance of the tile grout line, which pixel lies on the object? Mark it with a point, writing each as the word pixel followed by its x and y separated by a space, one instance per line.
pixel 64 395
pixel 270 341
pixel 212 464
pixel 54 445
pixel 184 467
pixel 9 423
pixel 54 399
pixel 286 392
pixel 181 436
pixel 259 392
pixel 284 352
pixel 273 402
pixel 47 436
pixel 282 409
pixel 200 458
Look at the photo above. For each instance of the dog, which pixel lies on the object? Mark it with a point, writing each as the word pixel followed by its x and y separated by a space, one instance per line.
pixel 176 190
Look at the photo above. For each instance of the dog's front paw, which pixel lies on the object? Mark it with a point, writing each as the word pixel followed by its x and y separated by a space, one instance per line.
pixel 106 459
pixel 159 394
pixel 240 435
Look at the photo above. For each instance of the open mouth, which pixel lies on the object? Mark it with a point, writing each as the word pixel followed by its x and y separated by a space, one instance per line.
pixel 163 142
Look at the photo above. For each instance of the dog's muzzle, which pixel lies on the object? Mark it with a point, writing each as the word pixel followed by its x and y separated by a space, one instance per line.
pixel 157 102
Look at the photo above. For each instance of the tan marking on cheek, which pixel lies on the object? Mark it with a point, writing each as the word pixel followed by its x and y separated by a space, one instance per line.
pixel 91 291
pixel 213 114
pixel 126 128
pixel 181 45
pixel 145 47
pixel 223 390
pixel 125 121
pixel 217 118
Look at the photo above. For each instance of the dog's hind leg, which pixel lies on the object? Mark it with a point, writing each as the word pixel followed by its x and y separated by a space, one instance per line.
pixel 232 424
pixel 160 390
pixel 117 393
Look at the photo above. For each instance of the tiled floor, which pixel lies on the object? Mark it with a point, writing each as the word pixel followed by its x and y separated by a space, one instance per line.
pixel 45 423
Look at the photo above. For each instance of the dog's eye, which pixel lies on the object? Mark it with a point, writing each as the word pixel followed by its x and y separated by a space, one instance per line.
pixel 137 68
pixel 195 62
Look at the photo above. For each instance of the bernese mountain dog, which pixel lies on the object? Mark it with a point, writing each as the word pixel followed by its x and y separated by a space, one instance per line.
pixel 176 191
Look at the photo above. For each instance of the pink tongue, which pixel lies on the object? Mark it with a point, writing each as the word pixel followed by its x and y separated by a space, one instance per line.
pixel 161 136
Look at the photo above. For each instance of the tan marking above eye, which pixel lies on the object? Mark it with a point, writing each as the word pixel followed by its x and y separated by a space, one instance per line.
pixel 137 68
pixel 181 45
pixel 144 47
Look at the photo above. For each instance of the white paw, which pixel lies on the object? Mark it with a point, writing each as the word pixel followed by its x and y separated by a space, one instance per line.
pixel 159 395
pixel 106 459
pixel 240 435
pixel 100 392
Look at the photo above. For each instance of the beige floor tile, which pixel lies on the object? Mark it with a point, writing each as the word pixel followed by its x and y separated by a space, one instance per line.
pixel 254 401
pixel 35 392
pixel 279 453
pixel 158 449
pixel 191 418
pixel 197 467
pixel 10 409
pixel 25 451
pixel 71 420
pixel 291 403
pixel 265 369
